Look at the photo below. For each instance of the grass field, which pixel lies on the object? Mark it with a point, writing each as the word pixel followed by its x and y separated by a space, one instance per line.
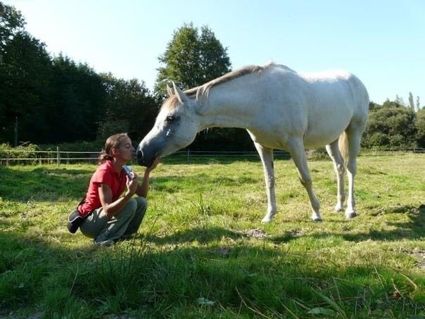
pixel 203 253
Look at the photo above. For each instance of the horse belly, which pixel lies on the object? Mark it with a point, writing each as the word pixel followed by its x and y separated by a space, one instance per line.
pixel 272 137
pixel 326 127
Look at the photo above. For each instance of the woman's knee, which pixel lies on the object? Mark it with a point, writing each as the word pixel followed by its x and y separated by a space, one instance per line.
pixel 128 210
pixel 141 202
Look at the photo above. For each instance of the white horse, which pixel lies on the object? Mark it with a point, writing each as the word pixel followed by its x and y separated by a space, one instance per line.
pixel 281 109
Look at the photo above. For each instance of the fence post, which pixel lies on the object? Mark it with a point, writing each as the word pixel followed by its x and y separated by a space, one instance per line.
pixel 58 160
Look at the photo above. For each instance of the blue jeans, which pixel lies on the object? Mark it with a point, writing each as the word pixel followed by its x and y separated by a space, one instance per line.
pixel 126 222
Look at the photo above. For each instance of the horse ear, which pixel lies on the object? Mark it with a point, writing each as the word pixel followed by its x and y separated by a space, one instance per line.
pixel 180 94
pixel 169 90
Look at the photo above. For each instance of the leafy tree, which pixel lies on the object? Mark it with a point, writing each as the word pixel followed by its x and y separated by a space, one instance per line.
pixel 397 103
pixel 399 100
pixel 420 128
pixel 213 56
pixel 129 108
pixel 55 100
pixel 24 91
pixel 411 103
pixel 11 22
pixel 78 102
pixel 192 59
pixel 391 125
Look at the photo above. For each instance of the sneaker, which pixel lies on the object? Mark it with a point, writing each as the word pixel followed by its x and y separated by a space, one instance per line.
pixel 105 243
pixel 74 221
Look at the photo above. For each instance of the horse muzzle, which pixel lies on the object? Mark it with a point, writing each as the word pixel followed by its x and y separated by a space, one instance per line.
pixel 142 160
pixel 144 157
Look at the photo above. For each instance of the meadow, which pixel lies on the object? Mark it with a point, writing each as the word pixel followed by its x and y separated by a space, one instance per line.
pixel 202 251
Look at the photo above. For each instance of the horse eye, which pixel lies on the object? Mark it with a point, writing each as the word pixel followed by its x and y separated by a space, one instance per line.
pixel 170 118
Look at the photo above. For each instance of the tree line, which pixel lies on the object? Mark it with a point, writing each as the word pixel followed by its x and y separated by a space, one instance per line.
pixel 48 99
pixel 45 99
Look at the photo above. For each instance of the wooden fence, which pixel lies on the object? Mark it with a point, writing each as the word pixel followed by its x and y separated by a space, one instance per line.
pixel 16 156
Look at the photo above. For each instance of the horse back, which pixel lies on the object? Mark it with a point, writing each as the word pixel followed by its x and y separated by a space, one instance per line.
pixel 326 103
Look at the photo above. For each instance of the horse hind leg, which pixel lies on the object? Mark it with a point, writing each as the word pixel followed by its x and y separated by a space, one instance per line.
pixel 296 148
pixel 338 162
pixel 353 139
pixel 266 155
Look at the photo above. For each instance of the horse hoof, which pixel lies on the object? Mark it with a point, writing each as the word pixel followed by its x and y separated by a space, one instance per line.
pixel 316 218
pixel 350 215
pixel 338 208
pixel 266 219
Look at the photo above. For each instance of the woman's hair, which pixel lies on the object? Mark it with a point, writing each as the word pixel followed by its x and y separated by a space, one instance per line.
pixel 112 141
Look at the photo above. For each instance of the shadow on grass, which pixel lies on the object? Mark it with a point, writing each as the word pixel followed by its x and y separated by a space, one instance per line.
pixel 34 183
pixel 413 229
pixel 243 281
pixel 201 235
pixel 197 182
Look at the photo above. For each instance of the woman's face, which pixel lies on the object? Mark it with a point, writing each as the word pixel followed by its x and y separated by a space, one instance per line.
pixel 125 150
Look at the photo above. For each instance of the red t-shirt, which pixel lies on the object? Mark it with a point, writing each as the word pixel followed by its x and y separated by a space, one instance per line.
pixel 105 174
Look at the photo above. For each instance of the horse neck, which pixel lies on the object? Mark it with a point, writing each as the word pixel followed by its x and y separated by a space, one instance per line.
pixel 226 106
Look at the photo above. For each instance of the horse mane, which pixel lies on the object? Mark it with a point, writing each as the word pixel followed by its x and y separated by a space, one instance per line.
pixel 204 89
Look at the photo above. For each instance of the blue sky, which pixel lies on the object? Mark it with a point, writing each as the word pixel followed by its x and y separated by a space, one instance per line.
pixel 382 42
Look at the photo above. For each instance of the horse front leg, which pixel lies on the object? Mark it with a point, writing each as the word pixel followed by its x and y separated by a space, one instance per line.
pixel 266 155
pixel 296 148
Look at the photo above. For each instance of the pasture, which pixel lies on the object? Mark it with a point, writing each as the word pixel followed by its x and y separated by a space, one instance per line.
pixel 202 251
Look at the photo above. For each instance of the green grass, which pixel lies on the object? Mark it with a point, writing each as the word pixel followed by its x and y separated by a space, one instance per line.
pixel 203 253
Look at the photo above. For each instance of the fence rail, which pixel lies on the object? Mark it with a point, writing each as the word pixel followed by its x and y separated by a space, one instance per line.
pixel 60 157
pixel 14 156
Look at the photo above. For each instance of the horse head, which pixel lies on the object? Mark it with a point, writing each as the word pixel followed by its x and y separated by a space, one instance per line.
pixel 175 127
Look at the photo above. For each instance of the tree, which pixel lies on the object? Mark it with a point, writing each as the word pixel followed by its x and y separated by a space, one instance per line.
pixel 390 126
pixel 129 108
pixel 24 91
pixel 11 22
pixel 420 128
pixel 78 102
pixel 411 103
pixel 55 100
pixel 214 60
pixel 399 100
pixel 192 59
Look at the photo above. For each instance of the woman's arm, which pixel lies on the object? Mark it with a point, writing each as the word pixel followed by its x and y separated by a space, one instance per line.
pixel 105 194
pixel 143 189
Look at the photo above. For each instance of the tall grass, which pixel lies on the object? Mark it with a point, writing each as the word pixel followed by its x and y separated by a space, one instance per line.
pixel 202 252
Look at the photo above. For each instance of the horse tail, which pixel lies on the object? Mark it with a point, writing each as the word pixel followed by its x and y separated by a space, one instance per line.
pixel 343 146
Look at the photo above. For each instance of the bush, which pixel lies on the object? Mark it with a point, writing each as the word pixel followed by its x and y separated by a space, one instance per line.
pixel 390 126
pixel 420 128
pixel 22 151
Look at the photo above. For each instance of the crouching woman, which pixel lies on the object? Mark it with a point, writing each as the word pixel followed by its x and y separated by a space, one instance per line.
pixel 110 210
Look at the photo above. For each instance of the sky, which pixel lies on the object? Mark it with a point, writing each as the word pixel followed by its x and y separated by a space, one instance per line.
pixel 380 41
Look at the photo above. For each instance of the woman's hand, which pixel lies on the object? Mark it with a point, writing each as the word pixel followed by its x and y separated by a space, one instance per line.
pixel 132 185
pixel 154 165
